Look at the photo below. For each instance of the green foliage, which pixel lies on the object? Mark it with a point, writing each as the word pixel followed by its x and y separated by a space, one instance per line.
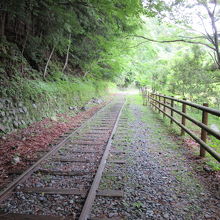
pixel 176 69
pixel 94 26
pixel 189 76
pixel 98 30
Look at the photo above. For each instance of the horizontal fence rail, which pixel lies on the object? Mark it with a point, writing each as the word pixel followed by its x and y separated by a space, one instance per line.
pixel 163 103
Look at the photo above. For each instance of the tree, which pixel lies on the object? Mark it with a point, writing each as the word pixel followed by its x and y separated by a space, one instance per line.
pixel 183 12
pixel 188 76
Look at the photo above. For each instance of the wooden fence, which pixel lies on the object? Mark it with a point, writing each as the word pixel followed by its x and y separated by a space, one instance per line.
pixel 166 105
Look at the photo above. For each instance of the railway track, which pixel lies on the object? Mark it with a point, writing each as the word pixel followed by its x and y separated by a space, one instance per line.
pixel 63 184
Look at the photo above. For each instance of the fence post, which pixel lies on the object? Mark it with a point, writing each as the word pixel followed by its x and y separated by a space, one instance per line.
pixel 171 111
pixel 183 118
pixel 154 102
pixel 159 103
pixel 151 96
pixel 145 98
pixel 158 98
pixel 203 132
pixel 164 108
pixel 148 97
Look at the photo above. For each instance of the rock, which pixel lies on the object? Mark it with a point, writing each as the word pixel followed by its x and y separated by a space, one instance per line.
pixel 8 102
pixel 74 108
pixel 4 120
pixel 14 112
pixel 207 169
pixel 25 110
pixel 3 138
pixel 110 215
pixel 96 101
pixel 1 105
pixel 166 215
pixel 23 138
pixel 34 105
pixel 99 101
pixel 20 110
pixel 41 198
pixel 15 160
pixel 2 128
pixel 2 113
pixel 15 124
pixel 150 213
pixel 53 118
pixel 20 104
pixel 9 119
pixel 84 108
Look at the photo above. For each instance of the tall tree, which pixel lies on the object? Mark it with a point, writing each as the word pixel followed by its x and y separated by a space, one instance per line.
pixel 183 13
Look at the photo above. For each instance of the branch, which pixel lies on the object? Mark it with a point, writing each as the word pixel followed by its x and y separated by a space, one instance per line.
pixel 207 34
pixel 137 45
pixel 173 41
pixel 215 2
pixel 201 37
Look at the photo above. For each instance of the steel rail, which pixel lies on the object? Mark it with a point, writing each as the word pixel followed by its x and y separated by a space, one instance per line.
pixel 93 190
pixel 8 190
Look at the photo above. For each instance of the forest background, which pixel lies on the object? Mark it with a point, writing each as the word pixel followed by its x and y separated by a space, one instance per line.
pixel 50 49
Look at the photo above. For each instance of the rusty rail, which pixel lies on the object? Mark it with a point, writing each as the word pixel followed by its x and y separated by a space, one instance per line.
pixel 161 105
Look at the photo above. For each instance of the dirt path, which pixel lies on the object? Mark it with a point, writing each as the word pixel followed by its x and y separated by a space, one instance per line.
pixel 159 180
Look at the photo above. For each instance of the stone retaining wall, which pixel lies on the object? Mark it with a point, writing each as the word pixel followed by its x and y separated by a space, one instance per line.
pixel 13 115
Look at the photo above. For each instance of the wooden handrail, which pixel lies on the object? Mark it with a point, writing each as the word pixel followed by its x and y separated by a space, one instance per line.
pixel 200 107
pixel 198 123
pixel 161 107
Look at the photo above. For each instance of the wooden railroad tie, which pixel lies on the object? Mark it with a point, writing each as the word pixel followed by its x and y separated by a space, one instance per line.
pixel 117 152
pixel 88 143
pixel 99 218
pixel 83 193
pixel 77 160
pixel 51 190
pixel 86 151
pixel 16 216
pixel 117 161
pixel 65 173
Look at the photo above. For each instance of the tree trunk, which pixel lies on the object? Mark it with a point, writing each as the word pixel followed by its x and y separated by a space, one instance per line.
pixel 3 19
pixel 51 54
pixel 26 37
pixel 67 55
pixel 215 40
